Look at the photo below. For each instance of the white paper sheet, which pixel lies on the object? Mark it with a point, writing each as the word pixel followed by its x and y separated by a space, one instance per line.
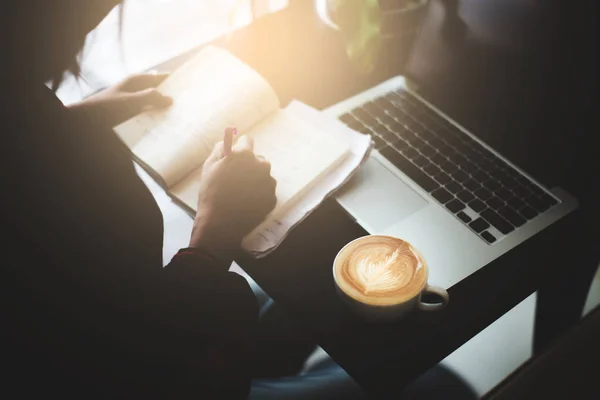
pixel 272 232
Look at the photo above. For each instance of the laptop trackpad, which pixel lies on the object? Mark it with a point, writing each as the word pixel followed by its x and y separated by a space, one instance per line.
pixel 377 198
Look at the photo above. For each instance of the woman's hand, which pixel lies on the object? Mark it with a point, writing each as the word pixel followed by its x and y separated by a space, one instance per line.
pixel 117 104
pixel 236 194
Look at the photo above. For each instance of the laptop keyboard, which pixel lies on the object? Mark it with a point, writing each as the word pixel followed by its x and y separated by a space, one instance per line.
pixel 480 189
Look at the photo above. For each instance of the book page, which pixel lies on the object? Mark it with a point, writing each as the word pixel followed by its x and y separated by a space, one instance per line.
pixel 299 154
pixel 210 92
pixel 271 232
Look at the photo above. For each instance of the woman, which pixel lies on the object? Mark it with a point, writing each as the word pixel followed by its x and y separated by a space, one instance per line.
pixel 89 305
pixel 87 309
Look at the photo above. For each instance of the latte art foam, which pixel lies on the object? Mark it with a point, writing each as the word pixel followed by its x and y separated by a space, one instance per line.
pixel 380 270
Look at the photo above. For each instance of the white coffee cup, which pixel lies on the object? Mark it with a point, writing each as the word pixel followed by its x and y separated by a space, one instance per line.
pixel 383 277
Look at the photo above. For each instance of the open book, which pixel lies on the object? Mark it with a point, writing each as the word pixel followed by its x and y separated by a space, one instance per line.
pixel 215 90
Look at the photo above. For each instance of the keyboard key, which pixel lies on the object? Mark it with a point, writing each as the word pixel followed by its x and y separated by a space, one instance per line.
pixel 442 178
pixel 509 182
pixel 495 203
pixel 371 107
pixel 504 194
pixel 418 143
pixel 423 133
pixel 449 138
pixel 411 124
pixel 471 184
pixel 492 184
pixel 454 187
pixel 400 145
pixel 513 173
pixel 469 167
pixel 378 127
pixel 387 135
pixel 455 206
pixel 512 216
pixel 363 116
pixel 477 205
pixel 499 175
pixel 448 167
pixel 460 176
pixel 431 170
pixel 485 153
pixel 442 195
pixel 535 189
pixel 436 142
pixel 379 142
pixel 471 151
pixel 464 217
pixel 408 135
pixel 410 152
pixel 480 176
pixel 500 164
pixel 386 119
pixel 359 113
pixel 427 150
pixel 359 127
pixel 488 237
pixel 347 118
pixel 515 202
pixel 459 160
pixel 523 180
pixel 382 102
pixel 537 203
pixel 549 199
pixel 486 165
pixel 521 191
pixel 397 128
pixel 497 221
pixel 420 161
pixel 479 225
pixel 451 154
pixel 482 194
pixel 528 212
pixel 410 169
pixel 438 159
pixel 443 147
pixel 465 195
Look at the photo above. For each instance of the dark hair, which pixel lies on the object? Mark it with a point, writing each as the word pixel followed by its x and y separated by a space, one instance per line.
pixel 74 68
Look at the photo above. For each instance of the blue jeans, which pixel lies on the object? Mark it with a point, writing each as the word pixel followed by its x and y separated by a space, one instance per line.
pixel 326 380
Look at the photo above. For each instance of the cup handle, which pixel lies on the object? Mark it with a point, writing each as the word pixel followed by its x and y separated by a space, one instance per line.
pixel 437 291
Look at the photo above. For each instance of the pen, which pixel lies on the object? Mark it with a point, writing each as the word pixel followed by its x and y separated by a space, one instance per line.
pixel 228 140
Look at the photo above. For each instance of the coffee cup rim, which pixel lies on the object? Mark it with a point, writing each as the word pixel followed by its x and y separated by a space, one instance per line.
pixel 384 304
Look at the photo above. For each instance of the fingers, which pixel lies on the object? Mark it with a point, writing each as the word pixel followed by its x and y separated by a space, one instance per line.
pixel 227 141
pixel 148 98
pixel 265 164
pixel 139 82
pixel 216 154
pixel 244 144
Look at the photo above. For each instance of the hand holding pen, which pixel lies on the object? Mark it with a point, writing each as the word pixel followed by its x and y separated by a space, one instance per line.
pixel 228 140
pixel 236 193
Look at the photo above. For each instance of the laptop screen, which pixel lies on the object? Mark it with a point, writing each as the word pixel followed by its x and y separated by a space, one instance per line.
pixel 490 65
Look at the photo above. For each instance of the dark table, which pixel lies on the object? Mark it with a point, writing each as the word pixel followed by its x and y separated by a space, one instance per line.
pixel 304 59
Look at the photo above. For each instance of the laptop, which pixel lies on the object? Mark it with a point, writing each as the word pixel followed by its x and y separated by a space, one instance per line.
pixel 431 181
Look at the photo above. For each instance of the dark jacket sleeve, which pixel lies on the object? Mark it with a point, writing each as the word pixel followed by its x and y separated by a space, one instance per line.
pixel 231 311
pixel 86 302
